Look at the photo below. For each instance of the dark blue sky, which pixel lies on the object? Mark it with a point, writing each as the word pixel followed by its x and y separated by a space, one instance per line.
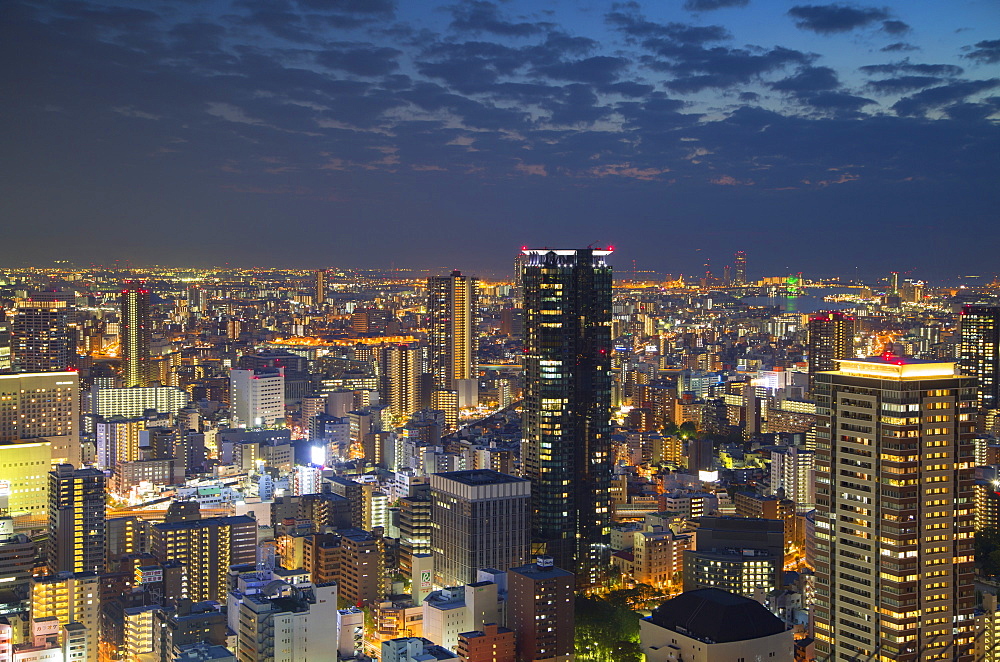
pixel 826 138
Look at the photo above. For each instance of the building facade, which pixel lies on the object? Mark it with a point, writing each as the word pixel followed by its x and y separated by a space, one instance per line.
pixel 894 511
pixel 567 402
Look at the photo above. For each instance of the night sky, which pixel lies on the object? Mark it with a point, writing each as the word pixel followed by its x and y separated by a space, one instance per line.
pixel 822 138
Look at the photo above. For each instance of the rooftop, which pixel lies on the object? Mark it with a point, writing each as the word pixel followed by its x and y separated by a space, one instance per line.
pixel 715 616
pixel 481 477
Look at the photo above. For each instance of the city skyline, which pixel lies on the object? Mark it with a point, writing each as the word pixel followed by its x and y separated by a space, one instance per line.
pixel 342 133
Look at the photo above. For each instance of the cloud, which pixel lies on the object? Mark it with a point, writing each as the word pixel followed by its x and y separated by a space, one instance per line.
pixel 597 69
pixel 477 16
pixel 350 13
pixel 985 52
pixel 936 97
pixel 902 84
pixel 698 68
pixel 838 102
pixel 808 79
pixel 899 47
pixel 712 5
pixel 362 61
pixel 828 19
pixel 635 26
pixel 895 27
pixel 905 66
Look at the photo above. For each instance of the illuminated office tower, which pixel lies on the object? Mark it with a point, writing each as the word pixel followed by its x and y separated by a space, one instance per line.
pixel 258 397
pixel 76 520
pixel 894 511
pixel 479 519
pixel 979 351
pixel 831 336
pixel 453 307
pixel 39 413
pixel 321 285
pixel 40 335
pixel 196 298
pixel 567 402
pixel 135 333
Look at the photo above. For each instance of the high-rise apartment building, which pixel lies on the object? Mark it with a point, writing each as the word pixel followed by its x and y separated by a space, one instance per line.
pixel 894 511
pixel 403 367
pixel 831 337
pixel 76 520
pixel 40 335
pixel 206 548
pixel 136 332
pixel 540 611
pixel 793 471
pixel 452 303
pixel 567 402
pixel 979 351
pixel 70 598
pixel 479 519
pixel 740 269
pixel 258 397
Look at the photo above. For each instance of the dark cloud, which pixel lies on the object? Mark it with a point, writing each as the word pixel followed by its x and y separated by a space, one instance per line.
pixel 974 112
pixel 985 52
pixel 828 19
pixel 363 61
pixel 905 66
pixel 349 13
pixel 899 47
pixel 808 79
pixel 902 84
pixel 628 89
pixel 936 97
pixel 698 68
pixel 837 102
pixel 478 16
pixel 597 69
pixel 636 27
pixel 895 27
pixel 711 5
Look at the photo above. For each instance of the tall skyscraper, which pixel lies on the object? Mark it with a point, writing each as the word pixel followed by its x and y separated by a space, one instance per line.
pixel 566 449
pixel 321 285
pixel 831 336
pixel 540 610
pixel 136 333
pixel 40 335
pixel 76 520
pixel 479 519
pixel 402 367
pixel 740 269
pixel 979 351
pixel 452 303
pixel 894 511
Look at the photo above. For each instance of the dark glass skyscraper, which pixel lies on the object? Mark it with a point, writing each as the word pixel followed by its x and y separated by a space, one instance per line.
pixel 567 403
pixel 136 333
pixel 979 351
pixel 740 269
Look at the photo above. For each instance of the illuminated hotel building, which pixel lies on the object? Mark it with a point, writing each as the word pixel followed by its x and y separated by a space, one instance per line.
pixel 38 428
pixel 41 339
pixel 452 302
pixel 979 351
pixel 258 397
pixel 567 402
pixel 135 333
pixel 831 337
pixel 76 520
pixel 894 511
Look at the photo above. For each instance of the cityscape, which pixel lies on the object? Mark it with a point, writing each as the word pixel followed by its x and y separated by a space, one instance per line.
pixel 566 464
pixel 499 331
